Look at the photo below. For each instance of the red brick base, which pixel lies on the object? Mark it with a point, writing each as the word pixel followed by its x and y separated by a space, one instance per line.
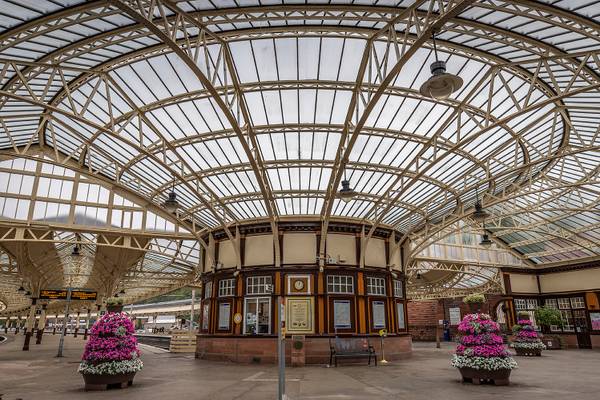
pixel 244 349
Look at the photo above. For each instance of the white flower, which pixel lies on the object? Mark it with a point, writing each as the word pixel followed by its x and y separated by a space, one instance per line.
pixel 111 367
pixel 529 345
pixel 485 363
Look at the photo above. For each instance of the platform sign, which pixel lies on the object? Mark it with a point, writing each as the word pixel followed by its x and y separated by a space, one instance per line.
pixel 83 295
pixel 61 294
pixel 52 294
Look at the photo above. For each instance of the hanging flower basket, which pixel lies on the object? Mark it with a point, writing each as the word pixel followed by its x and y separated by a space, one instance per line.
pixel 111 357
pixel 114 308
pixel 114 305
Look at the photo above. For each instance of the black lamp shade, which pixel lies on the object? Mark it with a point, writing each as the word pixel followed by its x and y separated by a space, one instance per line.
pixel 346 193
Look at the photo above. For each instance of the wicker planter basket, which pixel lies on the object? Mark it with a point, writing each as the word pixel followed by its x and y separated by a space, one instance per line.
pixel 103 382
pixel 498 377
pixel 528 352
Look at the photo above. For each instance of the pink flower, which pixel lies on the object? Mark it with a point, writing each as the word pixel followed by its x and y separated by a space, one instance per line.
pixel 111 339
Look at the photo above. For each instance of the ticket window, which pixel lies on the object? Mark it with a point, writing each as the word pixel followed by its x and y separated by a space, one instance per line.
pixel 257 316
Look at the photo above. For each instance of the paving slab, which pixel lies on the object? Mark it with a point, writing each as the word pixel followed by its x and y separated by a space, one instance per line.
pixel 38 374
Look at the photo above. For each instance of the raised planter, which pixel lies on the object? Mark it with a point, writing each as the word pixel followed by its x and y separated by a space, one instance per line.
pixel 104 382
pixel 528 352
pixel 498 377
pixel 552 342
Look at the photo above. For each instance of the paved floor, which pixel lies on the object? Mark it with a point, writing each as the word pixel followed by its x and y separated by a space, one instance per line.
pixel 564 374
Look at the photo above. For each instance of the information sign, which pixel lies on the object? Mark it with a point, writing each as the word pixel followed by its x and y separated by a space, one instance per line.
pixel 52 294
pixel 83 295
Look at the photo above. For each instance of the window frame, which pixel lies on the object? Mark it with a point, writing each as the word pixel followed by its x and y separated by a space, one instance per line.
pixel 369 285
pixel 268 280
pixel 226 290
pixel 346 284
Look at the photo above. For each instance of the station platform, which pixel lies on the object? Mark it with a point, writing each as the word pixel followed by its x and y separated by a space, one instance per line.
pixel 37 374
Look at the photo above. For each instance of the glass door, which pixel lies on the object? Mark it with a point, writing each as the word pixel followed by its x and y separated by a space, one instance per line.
pixel 257 320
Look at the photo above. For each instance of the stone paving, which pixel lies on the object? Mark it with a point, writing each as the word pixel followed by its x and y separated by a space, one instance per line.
pixel 37 374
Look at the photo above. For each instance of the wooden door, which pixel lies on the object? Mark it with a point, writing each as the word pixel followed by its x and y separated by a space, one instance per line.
pixel 582 329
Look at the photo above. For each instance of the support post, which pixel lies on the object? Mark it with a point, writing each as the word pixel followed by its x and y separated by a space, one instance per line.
pixel 77 324
pixel 30 324
pixel 61 343
pixel 87 323
pixel 281 349
pixel 192 310
pixel 41 325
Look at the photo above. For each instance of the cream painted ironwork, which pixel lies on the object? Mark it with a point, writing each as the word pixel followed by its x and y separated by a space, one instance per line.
pixel 255 113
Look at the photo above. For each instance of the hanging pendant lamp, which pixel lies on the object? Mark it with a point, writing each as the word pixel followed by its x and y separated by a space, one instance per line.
pixel 479 214
pixel 441 84
pixel 485 240
pixel 171 204
pixel 346 193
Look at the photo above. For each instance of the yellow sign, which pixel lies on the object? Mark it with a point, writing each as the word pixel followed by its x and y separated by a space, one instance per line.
pixel 383 332
pixel 51 294
pixel 237 318
pixel 83 295
pixel 61 294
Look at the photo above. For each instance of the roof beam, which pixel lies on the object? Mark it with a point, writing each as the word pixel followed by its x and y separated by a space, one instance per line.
pixel 361 104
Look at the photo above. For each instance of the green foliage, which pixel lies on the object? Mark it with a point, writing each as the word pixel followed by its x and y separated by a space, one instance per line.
pixel 523 315
pixel 114 301
pixel 546 316
pixel 475 298
pixel 179 294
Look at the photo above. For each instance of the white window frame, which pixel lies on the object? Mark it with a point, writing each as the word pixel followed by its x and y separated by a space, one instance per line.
pixel 336 280
pixel 257 299
pixel 258 282
pixel 398 289
pixel 577 303
pixel 375 282
pixel 227 287
pixel 208 290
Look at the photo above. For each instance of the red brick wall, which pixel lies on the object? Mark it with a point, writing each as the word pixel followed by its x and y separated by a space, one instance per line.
pixel 423 319
pixel 244 349
pixel 424 316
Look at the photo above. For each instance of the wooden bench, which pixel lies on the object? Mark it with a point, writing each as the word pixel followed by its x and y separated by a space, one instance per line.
pixel 351 347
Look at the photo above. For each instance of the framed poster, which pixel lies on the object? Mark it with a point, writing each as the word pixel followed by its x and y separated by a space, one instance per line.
pixel 342 314
pixel 595 319
pixel 454 313
pixel 224 313
pixel 401 319
pixel 205 309
pixel 378 314
pixel 299 315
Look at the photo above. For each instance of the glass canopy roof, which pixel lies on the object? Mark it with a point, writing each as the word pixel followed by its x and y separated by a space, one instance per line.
pixel 255 111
